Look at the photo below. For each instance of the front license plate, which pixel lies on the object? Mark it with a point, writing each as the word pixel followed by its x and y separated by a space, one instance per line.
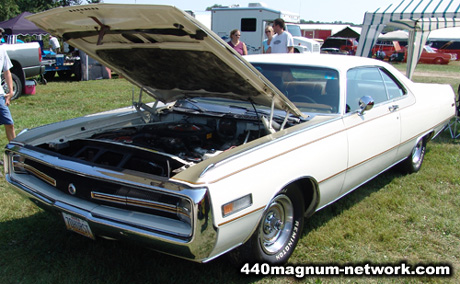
pixel 77 225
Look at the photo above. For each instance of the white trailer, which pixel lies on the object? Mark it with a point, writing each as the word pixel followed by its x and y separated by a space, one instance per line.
pixel 252 20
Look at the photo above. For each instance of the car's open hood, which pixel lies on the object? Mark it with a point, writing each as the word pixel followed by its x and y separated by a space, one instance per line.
pixel 162 50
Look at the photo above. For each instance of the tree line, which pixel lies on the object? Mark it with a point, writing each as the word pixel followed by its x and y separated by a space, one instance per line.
pixel 11 8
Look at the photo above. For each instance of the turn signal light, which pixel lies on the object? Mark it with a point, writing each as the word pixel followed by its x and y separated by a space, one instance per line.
pixel 236 205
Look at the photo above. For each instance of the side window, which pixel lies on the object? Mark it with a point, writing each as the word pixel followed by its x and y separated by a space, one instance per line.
pixel 353 92
pixel 373 82
pixel 248 25
pixel 364 81
pixel 394 90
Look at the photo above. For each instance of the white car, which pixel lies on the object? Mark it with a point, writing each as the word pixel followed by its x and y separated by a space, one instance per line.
pixel 226 157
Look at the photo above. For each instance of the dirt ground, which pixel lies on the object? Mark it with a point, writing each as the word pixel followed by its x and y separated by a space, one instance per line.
pixel 437 73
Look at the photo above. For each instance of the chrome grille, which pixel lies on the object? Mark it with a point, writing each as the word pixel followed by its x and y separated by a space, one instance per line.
pixel 114 194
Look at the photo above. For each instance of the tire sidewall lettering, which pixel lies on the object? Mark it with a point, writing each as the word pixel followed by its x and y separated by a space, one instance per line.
pixel 291 242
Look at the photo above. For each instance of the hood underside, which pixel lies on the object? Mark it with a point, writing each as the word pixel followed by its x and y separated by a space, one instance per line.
pixel 163 50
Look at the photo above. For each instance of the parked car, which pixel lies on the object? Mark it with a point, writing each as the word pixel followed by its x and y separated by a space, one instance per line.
pixel 27 63
pixel 446 46
pixel 346 45
pixel 237 152
pixel 333 50
pixel 432 56
pixel 384 50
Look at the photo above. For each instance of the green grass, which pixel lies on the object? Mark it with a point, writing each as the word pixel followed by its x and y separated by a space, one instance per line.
pixel 412 218
pixel 432 73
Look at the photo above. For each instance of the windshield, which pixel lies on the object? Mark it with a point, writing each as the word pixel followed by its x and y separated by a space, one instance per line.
pixel 429 49
pixel 294 30
pixel 311 89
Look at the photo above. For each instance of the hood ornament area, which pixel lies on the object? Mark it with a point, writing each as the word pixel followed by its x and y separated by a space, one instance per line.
pixel 72 189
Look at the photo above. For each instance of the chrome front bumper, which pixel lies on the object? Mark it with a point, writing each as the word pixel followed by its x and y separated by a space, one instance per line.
pixel 194 241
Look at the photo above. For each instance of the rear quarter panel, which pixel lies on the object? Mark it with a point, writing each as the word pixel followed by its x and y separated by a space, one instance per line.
pixel 434 107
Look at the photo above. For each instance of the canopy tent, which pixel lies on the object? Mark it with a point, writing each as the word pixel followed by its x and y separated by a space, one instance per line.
pixel 445 34
pixel 418 17
pixel 399 35
pixel 348 32
pixel 19 25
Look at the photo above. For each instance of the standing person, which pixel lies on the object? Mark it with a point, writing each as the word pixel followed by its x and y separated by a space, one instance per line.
pixel 266 43
pixel 5 99
pixel 282 42
pixel 235 42
pixel 54 44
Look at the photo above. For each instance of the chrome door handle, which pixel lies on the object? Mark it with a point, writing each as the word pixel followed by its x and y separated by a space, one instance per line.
pixel 393 108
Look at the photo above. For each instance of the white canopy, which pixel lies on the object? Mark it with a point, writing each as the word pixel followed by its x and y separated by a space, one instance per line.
pixel 445 34
pixel 395 35
pixel 419 17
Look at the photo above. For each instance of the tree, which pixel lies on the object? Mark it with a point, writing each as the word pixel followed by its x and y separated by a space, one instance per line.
pixel 35 6
pixel 12 8
pixel 214 6
pixel 9 9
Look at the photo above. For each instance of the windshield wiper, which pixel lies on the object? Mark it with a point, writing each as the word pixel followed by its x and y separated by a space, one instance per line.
pixel 194 105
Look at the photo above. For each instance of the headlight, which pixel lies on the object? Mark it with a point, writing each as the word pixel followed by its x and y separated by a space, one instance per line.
pixel 18 164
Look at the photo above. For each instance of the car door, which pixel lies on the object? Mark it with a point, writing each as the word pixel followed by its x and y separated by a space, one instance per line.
pixel 374 135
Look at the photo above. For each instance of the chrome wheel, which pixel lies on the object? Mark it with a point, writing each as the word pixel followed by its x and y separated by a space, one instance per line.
pixel 413 163
pixel 278 231
pixel 417 153
pixel 276 226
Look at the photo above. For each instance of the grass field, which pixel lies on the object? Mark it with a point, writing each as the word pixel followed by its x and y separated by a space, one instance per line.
pixel 392 219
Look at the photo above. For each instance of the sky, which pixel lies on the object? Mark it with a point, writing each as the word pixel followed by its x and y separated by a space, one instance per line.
pixel 319 10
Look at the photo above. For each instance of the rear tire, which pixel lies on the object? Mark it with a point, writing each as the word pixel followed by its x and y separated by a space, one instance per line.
pixel 413 163
pixel 437 61
pixel 17 86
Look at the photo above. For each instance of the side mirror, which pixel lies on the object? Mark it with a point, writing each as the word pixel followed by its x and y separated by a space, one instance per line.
pixel 365 103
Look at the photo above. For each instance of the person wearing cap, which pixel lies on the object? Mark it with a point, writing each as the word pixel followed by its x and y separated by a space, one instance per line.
pixel 5 98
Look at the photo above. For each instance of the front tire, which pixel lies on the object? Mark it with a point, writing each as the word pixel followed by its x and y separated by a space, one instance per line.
pixel 280 228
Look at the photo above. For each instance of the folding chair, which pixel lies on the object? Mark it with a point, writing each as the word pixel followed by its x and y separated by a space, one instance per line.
pixel 454 124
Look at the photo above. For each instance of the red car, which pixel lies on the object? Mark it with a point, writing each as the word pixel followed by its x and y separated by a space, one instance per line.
pixel 384 49
pixel 432 56
pixel 452 46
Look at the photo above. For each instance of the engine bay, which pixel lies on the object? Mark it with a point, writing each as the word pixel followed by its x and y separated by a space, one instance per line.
pixel 192 142
pixel 160 148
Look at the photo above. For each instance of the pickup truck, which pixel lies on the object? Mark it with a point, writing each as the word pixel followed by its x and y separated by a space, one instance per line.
pixel 26 59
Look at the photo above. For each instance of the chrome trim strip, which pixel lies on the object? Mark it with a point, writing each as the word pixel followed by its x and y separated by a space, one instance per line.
pixel 119 199
pixel 36 172
pixel 108 197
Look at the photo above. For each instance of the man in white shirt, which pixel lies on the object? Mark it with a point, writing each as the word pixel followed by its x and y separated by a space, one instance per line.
pixel 54 44
pixel 5 99
pixel 282 42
